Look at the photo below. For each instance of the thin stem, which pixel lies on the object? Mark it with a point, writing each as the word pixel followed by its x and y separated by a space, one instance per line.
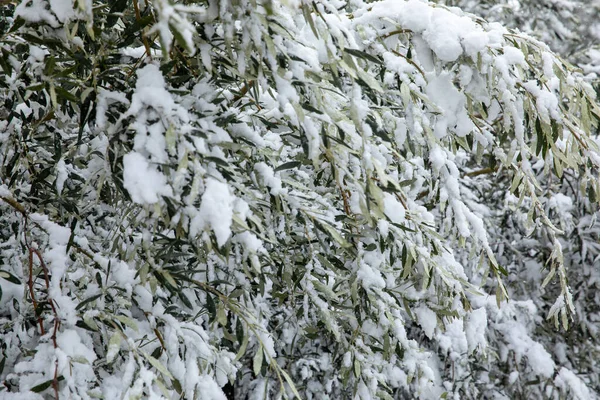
pixel 138 18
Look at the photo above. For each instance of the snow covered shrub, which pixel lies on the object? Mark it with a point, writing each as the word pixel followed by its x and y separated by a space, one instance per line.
pixel 320 199
pixel 567 26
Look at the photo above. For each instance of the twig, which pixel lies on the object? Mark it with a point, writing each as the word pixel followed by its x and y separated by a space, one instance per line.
pixel 409 61
pixel 396 32
pixel 56 319
pixel 32 293
pixel 138 18
pixel 483 171
pixel 243 91
pixel 13 203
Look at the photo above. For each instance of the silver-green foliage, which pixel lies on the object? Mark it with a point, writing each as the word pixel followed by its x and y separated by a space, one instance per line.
pixel 285 196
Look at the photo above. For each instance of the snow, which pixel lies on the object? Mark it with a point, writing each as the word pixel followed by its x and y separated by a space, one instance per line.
pixel 246 132
pixel 513 56
pixel 143 181
pixel 61 175
pixel 393 209
pixel 447 34
pixel 69 341
pixel 268 177
pixel 35 11
pixel 384 227
pixel 216 211
pixel 453 339
pixel 475 329
pixel 105 98
pixel 437 158
pixel 445 38
pixel 446 96
pixel 24 109
pixel 59 234
pixel 572 384
pixel 10 291
pixel 123 275
pixel 415 15
pixel 150 97
pixel 314 139
pixel 21 396
pixel 249 242
pixel 440 69
pixel 63 9
pixel 427 319
pixel 561 203
pixel 547 103
pixel 370 277
pixel 540 360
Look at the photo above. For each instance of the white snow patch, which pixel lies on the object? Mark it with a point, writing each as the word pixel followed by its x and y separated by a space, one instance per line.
pixel 268 177
pixel 569 382
pixel 475 329
pixel 540 360
pixel 216 211
pixel 454 340
pixel 427 319
pixel 370 277
pixel 61 175
pixel 446 96
pixel 209 389
pixel 143 182
pixel 393 209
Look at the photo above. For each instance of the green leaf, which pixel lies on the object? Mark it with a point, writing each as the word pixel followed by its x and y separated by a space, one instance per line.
pixel 326 290
pixel 364 55
pixel 356 368
pixel 127 321
pixel 162 387
pixel 239 331
pixel 591 193
pixel 19 22
pixel 291 383
pixel 221 315
pixel 288 165
pixel 169 279
pixel 369 80
pixel 49 66
pixel 114 344
pixel 43 386
pixel 308 17
pixel 257 361
pixel 242 349
pixel 65 94
pixel 371 247
pixel 158 365
pixel 10 277
pixel 210 306
pixel 88 300
pixel 333 233
pixel 186 301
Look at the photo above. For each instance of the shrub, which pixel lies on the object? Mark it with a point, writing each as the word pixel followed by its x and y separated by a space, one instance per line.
pixel 316 199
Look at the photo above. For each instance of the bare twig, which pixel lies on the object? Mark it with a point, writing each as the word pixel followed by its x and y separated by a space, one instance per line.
pixel 138 18
pixel 14 204
pixel 483 171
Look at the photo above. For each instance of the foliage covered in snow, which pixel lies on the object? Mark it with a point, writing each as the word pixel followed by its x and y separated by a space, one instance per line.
pixel 328 199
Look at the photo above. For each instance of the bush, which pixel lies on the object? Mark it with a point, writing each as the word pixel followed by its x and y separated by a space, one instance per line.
pixel 316 199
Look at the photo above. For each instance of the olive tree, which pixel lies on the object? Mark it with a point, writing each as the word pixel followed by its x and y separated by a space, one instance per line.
pixel 321 199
